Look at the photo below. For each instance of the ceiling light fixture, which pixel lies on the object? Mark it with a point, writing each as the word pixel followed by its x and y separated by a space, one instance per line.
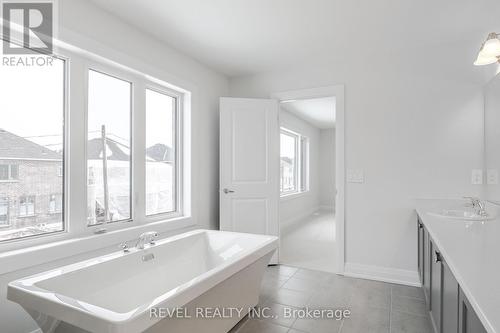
pixel 490 51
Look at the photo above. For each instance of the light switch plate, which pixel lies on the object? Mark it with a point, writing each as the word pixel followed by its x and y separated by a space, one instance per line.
pixel 477 177
pixel 492 176
pixel 356 176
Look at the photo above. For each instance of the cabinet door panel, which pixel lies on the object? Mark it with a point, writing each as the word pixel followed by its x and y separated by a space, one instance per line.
pixel 427 268
pixel 468 321
pixel 449 315
pixel 420 247
pixel 436 287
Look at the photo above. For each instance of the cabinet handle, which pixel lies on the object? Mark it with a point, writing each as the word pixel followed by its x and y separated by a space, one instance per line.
pixel 420 226
pixel 437 257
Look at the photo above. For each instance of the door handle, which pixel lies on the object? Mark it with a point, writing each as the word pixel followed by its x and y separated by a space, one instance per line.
pixel 226 191
pixel 437 257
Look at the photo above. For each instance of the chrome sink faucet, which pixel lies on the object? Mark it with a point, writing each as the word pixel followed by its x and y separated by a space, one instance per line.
pixel 146 238
pixel 478 206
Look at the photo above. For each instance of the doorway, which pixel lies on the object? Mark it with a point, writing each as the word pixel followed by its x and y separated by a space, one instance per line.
pixel 311 200
pixel 250 179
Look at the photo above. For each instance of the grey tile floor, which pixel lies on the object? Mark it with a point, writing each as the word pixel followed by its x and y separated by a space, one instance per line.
pixel 375 307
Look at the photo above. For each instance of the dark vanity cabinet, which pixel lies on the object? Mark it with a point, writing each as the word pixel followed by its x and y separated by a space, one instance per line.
pixel 449 300
pixel 436 273
pixel 449 309
pixel 423 260
pixel 420 245
pixel 468 321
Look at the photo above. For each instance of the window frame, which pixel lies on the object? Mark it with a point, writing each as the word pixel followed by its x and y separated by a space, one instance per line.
pixel 179 145
pixel 26 204
pixel 304 154
pixel 7 243
pixel 123 76
pixel 301 156
pixel 9 178
pixel 296 138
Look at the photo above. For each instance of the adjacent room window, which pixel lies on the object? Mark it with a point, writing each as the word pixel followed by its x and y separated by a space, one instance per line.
pixel 108 149
pixel 161 148
pixel 294 162
pixel 304 164
pixel 27 205
pixel 9 172
pixel 288 161
pixel 4 212
pixel 32 107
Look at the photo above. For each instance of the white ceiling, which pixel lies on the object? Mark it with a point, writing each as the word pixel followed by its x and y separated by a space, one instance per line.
pixel 241 37
pixel 319 112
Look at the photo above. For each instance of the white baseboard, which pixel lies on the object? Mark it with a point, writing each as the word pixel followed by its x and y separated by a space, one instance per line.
pixel 384 274
pixel 290 223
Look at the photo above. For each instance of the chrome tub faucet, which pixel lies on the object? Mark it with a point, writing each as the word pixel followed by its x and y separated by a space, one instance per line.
pixel 146 238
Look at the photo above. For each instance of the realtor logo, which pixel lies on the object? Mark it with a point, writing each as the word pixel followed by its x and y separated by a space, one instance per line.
pixel 28 27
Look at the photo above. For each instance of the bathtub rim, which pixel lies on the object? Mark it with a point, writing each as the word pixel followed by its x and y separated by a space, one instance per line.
pixel 53 305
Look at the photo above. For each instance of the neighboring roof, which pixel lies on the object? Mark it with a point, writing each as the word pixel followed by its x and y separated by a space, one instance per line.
pixel 115 151
pixel 14 146
pixel 286 160
pixel 119 152
pixel 160 153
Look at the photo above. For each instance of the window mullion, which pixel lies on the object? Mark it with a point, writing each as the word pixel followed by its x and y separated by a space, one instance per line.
pixel 139 150
pixel 75 167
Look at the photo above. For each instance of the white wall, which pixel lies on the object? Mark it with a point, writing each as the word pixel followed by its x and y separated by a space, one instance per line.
pixel 297 206
pixel 96 31
pixel 492 133
pixel 416 132
pixel 327 169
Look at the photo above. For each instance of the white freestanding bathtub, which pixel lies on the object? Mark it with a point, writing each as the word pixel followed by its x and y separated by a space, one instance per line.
pixel 172 286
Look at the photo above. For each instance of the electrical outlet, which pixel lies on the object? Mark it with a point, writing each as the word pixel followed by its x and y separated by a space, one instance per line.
pixel 477 177
pixel 492 177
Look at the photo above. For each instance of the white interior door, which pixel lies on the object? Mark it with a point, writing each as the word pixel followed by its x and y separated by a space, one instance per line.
pixel 249 165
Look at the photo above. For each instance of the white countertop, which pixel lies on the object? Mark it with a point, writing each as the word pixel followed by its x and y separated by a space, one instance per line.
pixel 472 251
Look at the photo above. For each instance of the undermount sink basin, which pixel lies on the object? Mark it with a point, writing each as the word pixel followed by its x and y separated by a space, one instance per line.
pixel 458 214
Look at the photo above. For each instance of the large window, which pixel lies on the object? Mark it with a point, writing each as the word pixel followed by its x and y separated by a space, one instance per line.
pixel 125 161
pixel 32 105
pixel 108 149
pixel 294 162
pixel 161 149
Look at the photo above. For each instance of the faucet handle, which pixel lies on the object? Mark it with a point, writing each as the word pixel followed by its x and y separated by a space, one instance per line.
pixel 152 237
pixel 473 200
pixel 125 247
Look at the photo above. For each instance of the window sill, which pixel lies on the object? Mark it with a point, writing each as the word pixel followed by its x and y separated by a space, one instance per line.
pixel 18 259
pixel 294 195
